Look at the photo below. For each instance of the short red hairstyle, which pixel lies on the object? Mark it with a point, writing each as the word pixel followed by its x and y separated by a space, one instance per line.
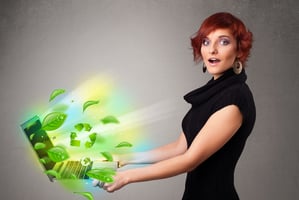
pixel 223 20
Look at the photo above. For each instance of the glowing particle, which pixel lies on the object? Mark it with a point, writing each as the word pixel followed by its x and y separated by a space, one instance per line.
pixel 89 103
pixel 109 119
pixel 55 93
pixel 53 121
pixel 123 144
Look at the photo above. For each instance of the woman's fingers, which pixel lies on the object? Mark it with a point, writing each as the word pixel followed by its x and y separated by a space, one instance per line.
pixel 118 183
pixel 97 183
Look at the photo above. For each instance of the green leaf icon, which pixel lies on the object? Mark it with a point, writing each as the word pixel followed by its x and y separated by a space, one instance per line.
pixel 109 119
pixel 73 135
pixel 75 143
pixel 88 144
pixel 57 154
pixel 87 195
pixel 79 126
pixel 123 144
pixel 108 156
pixel 89 103
pixel 55 93
pixel 53 121
pixel 39 145
pixel 102 174
pixel 93 137
pixel 87 127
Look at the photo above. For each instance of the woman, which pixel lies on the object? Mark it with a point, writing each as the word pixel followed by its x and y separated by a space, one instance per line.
pixel 216 127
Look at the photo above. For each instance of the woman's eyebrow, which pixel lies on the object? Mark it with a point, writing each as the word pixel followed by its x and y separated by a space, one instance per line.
pixel 222 36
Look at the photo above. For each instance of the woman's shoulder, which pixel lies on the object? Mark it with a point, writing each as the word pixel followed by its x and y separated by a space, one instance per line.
pixel 237 94
pixel 239 89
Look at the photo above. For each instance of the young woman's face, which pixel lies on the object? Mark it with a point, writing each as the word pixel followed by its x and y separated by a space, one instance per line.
pixel 219 51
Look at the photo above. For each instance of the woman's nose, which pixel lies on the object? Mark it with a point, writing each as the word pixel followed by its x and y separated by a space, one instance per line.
pixel 213 49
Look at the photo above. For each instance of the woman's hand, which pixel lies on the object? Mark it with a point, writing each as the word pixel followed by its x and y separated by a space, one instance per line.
pixel 120 179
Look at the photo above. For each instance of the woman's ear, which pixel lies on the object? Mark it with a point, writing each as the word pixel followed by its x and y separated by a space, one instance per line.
pixel 239 54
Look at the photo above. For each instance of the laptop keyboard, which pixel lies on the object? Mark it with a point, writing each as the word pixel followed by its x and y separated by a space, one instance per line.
pixel 74 170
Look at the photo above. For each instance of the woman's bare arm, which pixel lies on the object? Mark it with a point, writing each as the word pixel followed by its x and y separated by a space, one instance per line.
pixel 219 128
pixel 158 154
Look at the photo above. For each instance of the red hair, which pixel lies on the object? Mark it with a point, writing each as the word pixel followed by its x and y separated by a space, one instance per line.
pixel 223 20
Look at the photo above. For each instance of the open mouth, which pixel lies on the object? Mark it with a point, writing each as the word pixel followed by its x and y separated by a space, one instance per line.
pixel 213 60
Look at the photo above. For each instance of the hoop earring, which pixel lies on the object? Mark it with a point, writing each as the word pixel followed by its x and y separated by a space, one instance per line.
pixel 204 68
pixel 237 67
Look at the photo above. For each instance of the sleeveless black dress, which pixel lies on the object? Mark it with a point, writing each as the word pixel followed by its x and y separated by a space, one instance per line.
pixel 214 178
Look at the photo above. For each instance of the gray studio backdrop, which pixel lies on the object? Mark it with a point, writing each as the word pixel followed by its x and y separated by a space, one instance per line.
pixel 144 46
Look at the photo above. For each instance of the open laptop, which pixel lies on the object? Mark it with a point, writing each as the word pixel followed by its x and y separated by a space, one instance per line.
pixel 67 169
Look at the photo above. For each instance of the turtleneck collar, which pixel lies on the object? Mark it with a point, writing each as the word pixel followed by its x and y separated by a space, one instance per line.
pixel 202 94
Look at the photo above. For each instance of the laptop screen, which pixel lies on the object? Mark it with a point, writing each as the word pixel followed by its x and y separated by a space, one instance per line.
pixel 39 141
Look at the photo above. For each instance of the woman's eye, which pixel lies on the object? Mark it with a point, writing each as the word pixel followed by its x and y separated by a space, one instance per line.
pixel 205 42
pixel 224 42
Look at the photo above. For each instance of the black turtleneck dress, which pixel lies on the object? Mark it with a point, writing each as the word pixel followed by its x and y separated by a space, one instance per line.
pixel 214 178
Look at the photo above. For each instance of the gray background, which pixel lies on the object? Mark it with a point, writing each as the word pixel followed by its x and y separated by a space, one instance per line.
pixel 144 46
